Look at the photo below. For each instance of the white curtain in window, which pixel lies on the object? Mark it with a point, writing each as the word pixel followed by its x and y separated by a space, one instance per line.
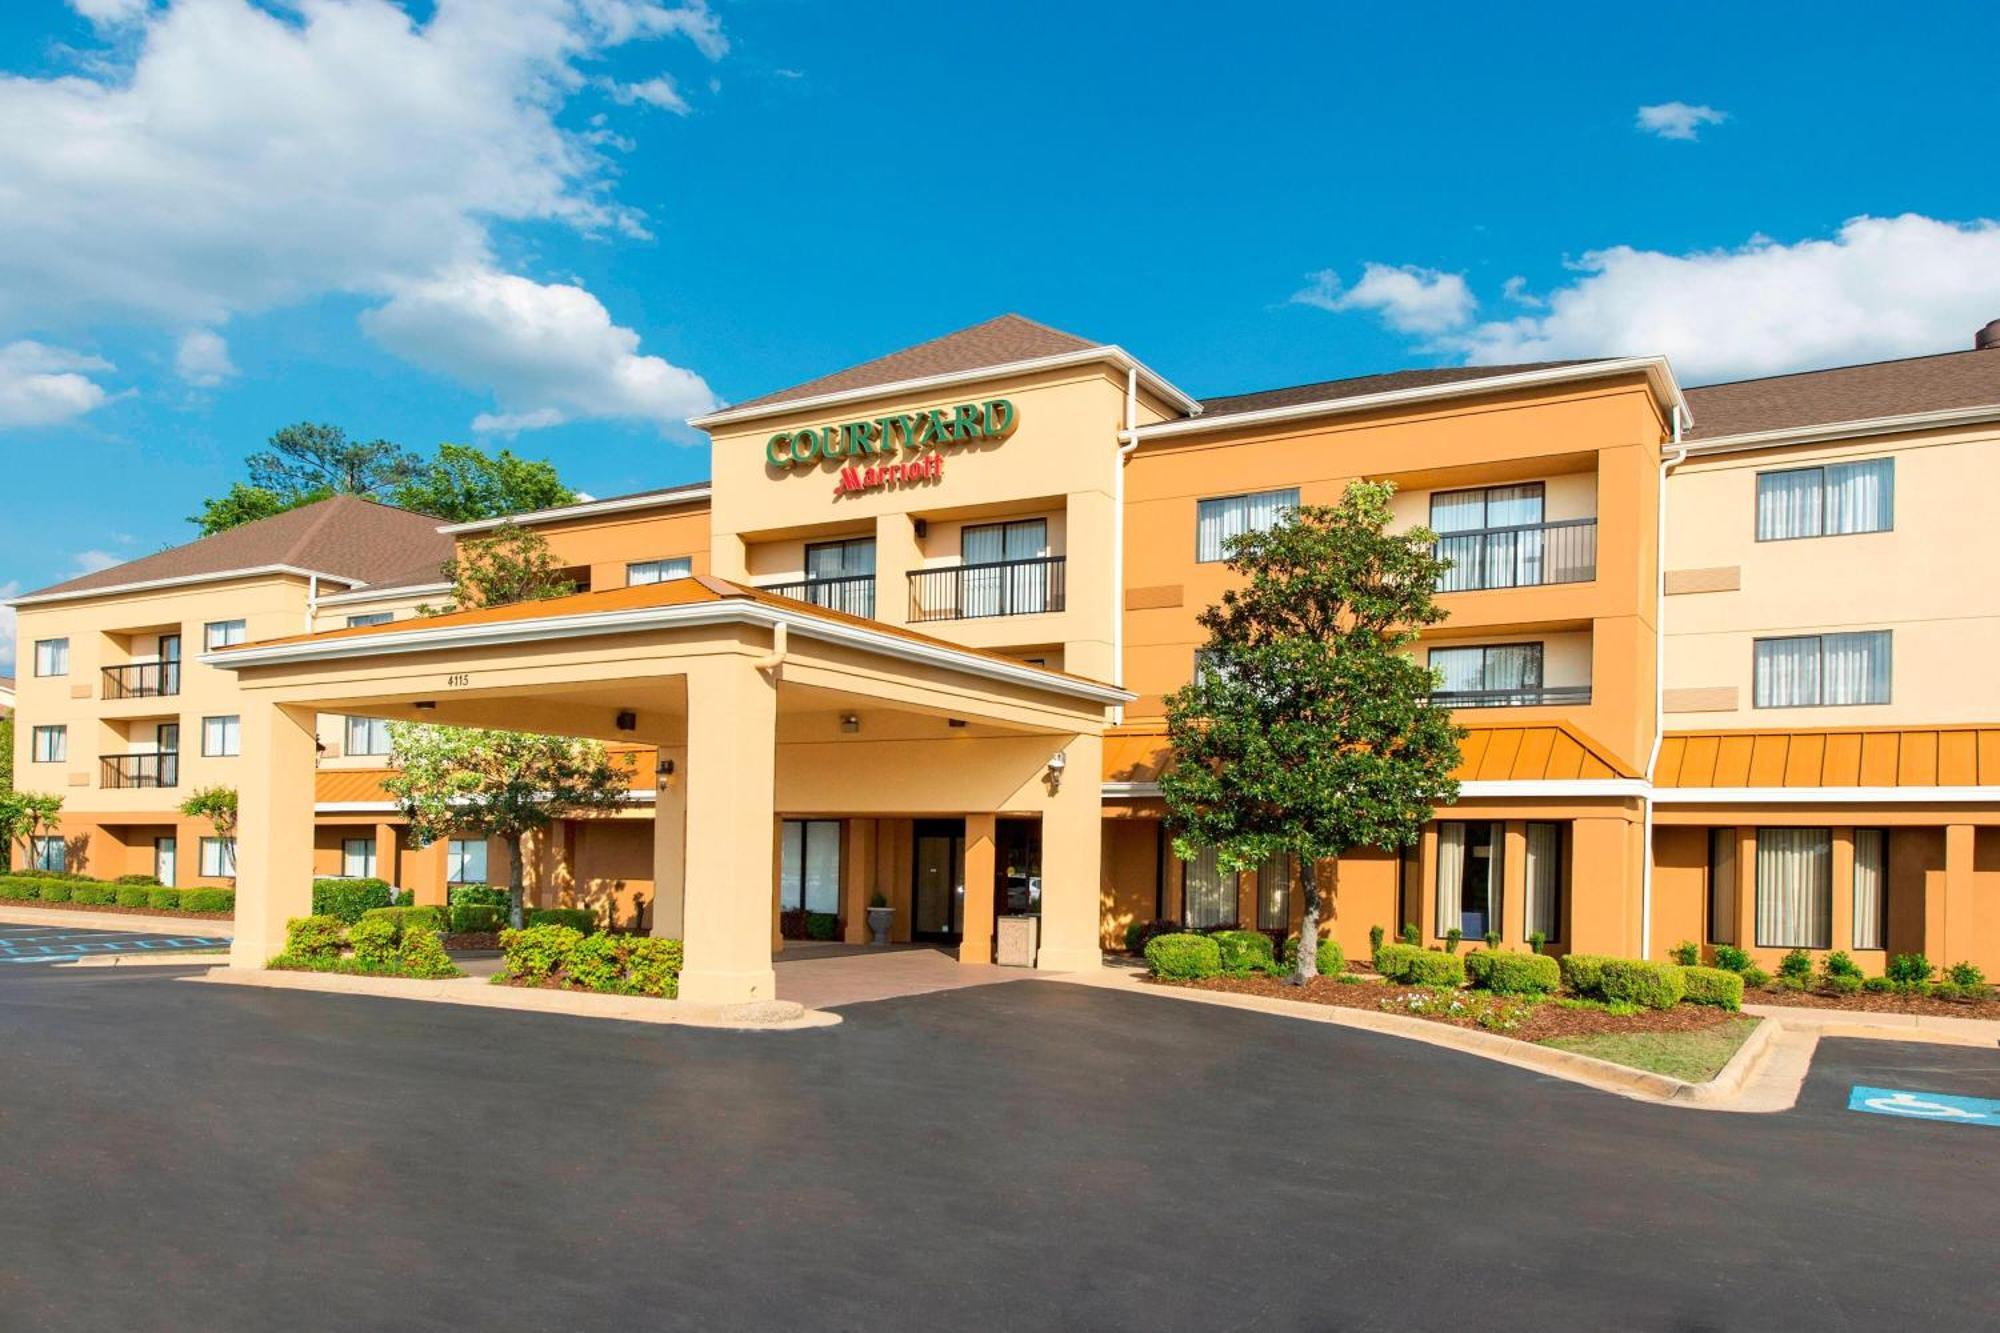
pixel 1787 672
pixel 1861 497
pixel 1514 666
pixel 1722 886
pixel 822 868
pixel 983 545
pixel 1788 504
pixel 1274 893
pixel 1871 878
pixel 1461 669
pixel 1457 512
pixel 1544 878
pixel 1216 521
pixel 1513 559
pixel 1209 896
pixel 1794 888
pixel 1451 876
pixel 1855 668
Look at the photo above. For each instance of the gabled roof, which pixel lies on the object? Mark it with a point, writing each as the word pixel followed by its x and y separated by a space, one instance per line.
pixel 1818 398
pixel 997 342
pixel 692 492
pixel 1831 757
pixel 347 538
pixel 1355 386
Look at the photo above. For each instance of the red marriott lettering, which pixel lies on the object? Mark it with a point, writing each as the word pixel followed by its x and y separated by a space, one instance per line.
pixel 856 479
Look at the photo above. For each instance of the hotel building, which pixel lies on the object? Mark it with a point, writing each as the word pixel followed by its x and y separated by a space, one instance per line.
pixel 914 637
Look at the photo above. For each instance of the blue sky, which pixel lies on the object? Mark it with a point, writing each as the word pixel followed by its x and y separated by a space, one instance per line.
pixel 563 227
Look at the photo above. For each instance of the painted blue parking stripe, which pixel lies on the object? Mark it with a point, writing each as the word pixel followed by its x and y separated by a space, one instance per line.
pixel 1946 1108
pixel 46 944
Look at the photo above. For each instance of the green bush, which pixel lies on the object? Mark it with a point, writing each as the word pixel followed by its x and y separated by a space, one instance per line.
pixel 1452 938
pixel 1687 953
pixel 1244 951
pixel 1966 975
pixel 373 940
pixel 1730 958
pixel 148 880
pixel 1329 957
pixel 1137 935
pixel 208 900
pixel 1839 964
pixel 536 953
pixel 349 898
pixel 1393 960
pixel 132 895
pixel 1513 973
pixel 1878 985
pixel 1375 937
pixel 14 888
pixel 594 963
pixel 653 967
pixel 1755 977
pixel 407 918
pixel 1537 941
pixel 822 925
pixel 95 895
pixel 1411 934
pixel 477 895
pixel 580 919
pixel 421 954
pixel 163 899
pixel 1712 985
pixel 476 918
pixel 1183 957
pixel 313 937
pixel 55 891
pixel 1637 981
pixel 1796 965
pixel 1841 983
pixel 1431 968
pixel 1583 973
pixel 1908 970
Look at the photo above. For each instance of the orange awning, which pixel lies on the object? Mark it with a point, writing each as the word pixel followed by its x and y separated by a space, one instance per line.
pixel 1832 757
pixel 1549 752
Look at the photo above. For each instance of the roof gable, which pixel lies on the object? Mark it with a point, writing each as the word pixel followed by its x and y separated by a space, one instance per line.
pixel 1950 380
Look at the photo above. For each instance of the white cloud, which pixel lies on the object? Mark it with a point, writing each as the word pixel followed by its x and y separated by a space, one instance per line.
pixel 89 562
pixel 111 13
pixel 202 359
pixel 659 92
pixel 1408 298
pixel 222 157
pixel 41 385
pixel 549 349
pixel 1678 120
pixel 8 627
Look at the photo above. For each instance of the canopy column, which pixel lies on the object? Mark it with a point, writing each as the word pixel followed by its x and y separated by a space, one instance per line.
pixel 727 911
pixel 274 827
pixel 1072 855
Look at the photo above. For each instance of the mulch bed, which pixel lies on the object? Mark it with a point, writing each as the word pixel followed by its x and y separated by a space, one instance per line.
pixel 1878 1003
pixel 117 910
pixel 472 941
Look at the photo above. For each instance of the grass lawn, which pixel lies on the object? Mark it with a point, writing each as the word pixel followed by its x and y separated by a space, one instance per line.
pixel 1694 1056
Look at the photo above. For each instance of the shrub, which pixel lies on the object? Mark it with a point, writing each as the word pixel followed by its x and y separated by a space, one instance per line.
pixel 1712 985
pixel 1731 959
pixel 1452 938
pixel 653 967
pixel 1244 951
pixel 1331 959
pixel 13 888
pixel 1513 973
pixel 1966 975
pixel 579 919
pixel 132 895
pixel 421 953
pixel 164 899
pixel 1755 977
pixel 1393 960
pixel 208 900
pixel 54 891
pixel 822 925
pixel 1431 968
pixel 1583 973
pixel 476 895
pixel 349 898
pixel 1908 970
pixel 1948 990
pixel 1687 953
pixel 1410 934
pixel 405 919
pixel 1839 964
pixel 1491 939
pixel 1139 933
pixel 1637 981
pixel 1877 985
pixel 1841 983
pixel 536 953
pixel 308 938
pixel 374 942
pixel 1796 966
pixel 593 963
pixel 147 880
pixel 1375 937
pixel 1537 940
pixel 1183 957
pixel 1792 983
pixel 95 895
pixel 476 918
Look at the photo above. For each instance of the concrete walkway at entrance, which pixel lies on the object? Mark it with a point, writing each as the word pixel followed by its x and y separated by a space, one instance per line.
pixel 829 976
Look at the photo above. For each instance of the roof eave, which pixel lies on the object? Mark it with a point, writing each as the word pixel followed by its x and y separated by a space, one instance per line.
pixel 1825 432
pixel 179 581
pixel 584 509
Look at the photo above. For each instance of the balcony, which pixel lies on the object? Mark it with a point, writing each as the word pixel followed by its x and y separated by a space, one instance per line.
pixel 1526 556
pixel 142 680
pixel 140 770
pixel 977 592
pixel 1533 696
pixel 851 593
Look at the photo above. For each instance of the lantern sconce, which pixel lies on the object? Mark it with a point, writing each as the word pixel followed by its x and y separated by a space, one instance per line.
pixel 850 723
pixel 1057 763
pixel 627 720
pixel 663 772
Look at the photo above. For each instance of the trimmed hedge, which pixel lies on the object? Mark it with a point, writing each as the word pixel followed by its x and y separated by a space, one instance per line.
pixel 132 891
pixel 1244 951
pixel 1330 958
pixel 54 891
pixel 1393 957
pixel 1184 957
pixel 579 919
pixel 207 900
pixel 16 889
pixel 1637 981
pixel 163 898
pixel 1412 966
pixel 133 895
pixel 349 898
pixel 95 895
pixel 1513 973
pixel 148 880
pixel 476 895
pixel 610 964
pixel 1714 985
pixel 476 918
pixel 406 918
pixel 1141 933
pixel 1584 973
pixel 377 945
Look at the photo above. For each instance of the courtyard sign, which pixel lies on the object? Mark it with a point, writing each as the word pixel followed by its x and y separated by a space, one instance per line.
pixel 876 440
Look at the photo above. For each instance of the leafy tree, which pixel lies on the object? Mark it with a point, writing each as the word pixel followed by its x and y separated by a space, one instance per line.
pixel 1309 728
pixel 319 460
pixel 498 568
pixel 458 781
pixel 218 806
pixel 6 788
pixel 461 484
pixel 246 504
pixel 25 815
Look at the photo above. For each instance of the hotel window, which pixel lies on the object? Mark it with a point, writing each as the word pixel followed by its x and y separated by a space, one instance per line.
pixel 52 657
pixel 1871 887
pixel 1208 894
pixel 221 736
pixel 1811 670
pixel 1002 576
pixel 465 861
pixel 1544 880
pixel 1722 886
pixel 658 571
pixel 1274 893
pixel 51 745
pixel 218 858
pixel 222 633
pixel 1829 501
pixel 357 858
pixel 368 735
pixel 1469 876
pixel 841 576
pixel 809 866
pixel 48 852
pixel 1490 535
pixel 370 618
pixel 1500 673
pixel 1794 888
pixel 1216 521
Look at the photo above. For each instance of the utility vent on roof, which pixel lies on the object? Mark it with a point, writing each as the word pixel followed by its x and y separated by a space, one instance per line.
pixel 1988 338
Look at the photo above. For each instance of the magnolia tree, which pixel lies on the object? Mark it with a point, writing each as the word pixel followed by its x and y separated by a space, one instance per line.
pixel 26 815
pixel 1309 729
pixel 510 564
pixel 218 806
pixel 458 781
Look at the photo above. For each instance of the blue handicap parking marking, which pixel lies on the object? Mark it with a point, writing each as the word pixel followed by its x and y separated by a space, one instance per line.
pixel 41 945
pixel 1939 1106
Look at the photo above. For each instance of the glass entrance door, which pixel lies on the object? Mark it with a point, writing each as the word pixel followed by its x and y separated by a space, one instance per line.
pixel 165 851
pixel 938 893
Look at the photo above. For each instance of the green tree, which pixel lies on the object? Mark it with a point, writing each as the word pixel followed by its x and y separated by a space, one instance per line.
pixel 309 458
pixel 498 568
pixel 460 782
pixel 25 815
pixel 1309 728
pixel 244 503
pixel 461 484
pixel 218 806
pixel 6 787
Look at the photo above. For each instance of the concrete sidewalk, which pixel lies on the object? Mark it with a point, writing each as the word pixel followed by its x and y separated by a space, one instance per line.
pixel 137 923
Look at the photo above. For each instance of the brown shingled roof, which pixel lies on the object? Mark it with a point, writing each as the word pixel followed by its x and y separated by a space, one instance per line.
pixel 354 539
pixel 1846 393
pixel 997 342
pixel 1326 391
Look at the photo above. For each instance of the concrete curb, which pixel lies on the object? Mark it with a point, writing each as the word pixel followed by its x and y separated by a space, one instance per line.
pixel 119 921
pixel 1888 1027
pixel 477 992
pixel 183 958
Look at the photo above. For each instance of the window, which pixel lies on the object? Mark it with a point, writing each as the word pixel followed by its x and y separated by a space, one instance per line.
pixel 52 657
pixel 809 870
pixel 1491 536
pixel 465 861
pixel 367 735
pixel 847 568
pixel 1829 501
pixel 1274 893
pixel 1722 886
pixel 658 571
pixel 1794 888
pixel 51 745
pixel 370 618
pixel 357 858
pixel 48 852
pixel 222 634
pixel 1822 669
pixel 1489 674
pixel 218 858
pixel 221 736
pixel 1544 879
pixel 1469 877
pixel 1871 887
pixel 1216 521
pixel 1001 578
pixel 1208 895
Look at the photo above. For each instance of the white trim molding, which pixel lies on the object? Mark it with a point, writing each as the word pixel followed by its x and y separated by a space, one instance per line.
pixel 1476 791
pixel 367 594
pixel 180 581
pixel 1826 795
pixel 1847 430
pixel 661 499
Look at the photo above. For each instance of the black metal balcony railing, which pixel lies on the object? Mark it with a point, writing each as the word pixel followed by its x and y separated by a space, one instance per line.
pixel 142 680
pixel 852 593
pixel 1526 556
pixel 974 592
pixel 1529 697
pixel 140 770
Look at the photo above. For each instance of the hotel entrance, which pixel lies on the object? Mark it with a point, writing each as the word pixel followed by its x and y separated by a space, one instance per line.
pixel 937 891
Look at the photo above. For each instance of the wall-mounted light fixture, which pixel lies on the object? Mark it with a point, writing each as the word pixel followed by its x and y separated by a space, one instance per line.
pixel 923 528
pixel 663 772
pixel 954 722
pixel 1057 763
pixel 425 704
pixel 628 720
pixel 850 722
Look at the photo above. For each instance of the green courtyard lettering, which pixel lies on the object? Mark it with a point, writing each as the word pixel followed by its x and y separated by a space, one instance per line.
pixel 919 432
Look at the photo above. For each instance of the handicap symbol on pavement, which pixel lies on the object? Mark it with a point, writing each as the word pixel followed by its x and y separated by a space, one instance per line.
pixel 1925 1106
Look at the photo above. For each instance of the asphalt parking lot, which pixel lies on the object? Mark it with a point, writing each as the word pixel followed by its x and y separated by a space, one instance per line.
pixel 63 944
pixel 178 1155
